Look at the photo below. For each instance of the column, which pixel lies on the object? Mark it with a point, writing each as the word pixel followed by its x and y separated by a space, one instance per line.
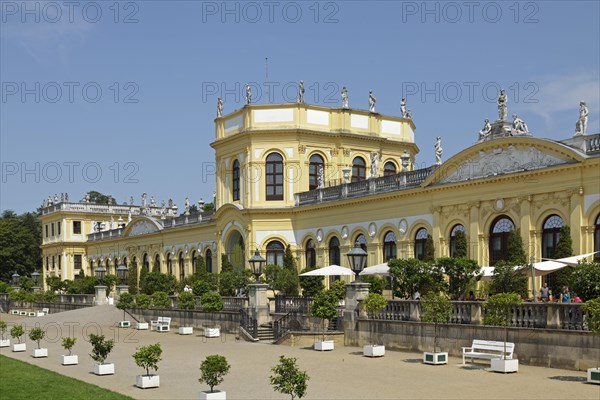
pixel 258 302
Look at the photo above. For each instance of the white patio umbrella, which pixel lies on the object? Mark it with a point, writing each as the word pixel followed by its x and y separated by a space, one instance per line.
pixel 379 269
pixel 571 261
pixel 330 270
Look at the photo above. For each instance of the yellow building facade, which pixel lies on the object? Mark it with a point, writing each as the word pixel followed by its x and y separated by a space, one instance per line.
pixel 320 179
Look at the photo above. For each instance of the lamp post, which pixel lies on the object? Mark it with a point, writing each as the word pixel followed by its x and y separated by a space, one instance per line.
pixel 357 258
pixel 257 296
pixel 122 275
pixel 15 280
pixel 357 290
pixel 100 289
pixel 257 262
pixel 36 281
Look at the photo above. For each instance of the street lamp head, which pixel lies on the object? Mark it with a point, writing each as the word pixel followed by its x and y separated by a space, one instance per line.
pixel 36 278
pixel 257 262
pixel 100 272
pixel 122 273
pixel 15 278
pixel 357 258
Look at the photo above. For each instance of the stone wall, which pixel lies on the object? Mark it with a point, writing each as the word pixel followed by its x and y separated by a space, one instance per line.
pixel 229 321
pixel 575 350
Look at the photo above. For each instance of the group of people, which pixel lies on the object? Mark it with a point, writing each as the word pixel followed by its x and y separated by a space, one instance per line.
pixel 564 297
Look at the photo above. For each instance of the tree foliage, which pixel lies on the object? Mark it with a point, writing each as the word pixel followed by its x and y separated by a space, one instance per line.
pixel 515 250
pixel 225 264
pixel 283 279
pixel 288 379
pixel 20 241
pixel 429 250
pixel 414 275
pixel 161 300
pixel 148 357
pixel 143 301
pixel 436 308
pixel 36 335
pixel 506 279
pixel 499 308
pixel 339 289
pixel 311 285
pixel 592 309
pixel 132 278
pixel 158 282
pixel 211 302
pixel 586 280
pixel 16 332
pixel 374 303
pixel 68 343
pixel 101 347
pixel 100 198
pixel 213 370
pixel 460 244
pixel 461 272
pixel 564 248
pixel 126 300
pixel 3 328
pixel 232 281
pixel 377 283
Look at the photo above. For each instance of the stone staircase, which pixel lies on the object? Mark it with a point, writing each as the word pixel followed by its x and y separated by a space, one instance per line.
pixel 265 332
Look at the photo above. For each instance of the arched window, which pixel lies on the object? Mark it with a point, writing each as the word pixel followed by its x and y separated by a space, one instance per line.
pixel 597 239
pixel 389 169
pixel 194 262
pixel 274 175
pixel 181 267
pixel 359 171
pixel 316 162
pixel 235 180
pixel 310 253
pixel 146 262
pixel 169 264
pixel 157 263
pixel 209 264
pixel 275 252
pixel 551 235
pixel 456 228
pixel 420 240
pixel 499 231
pixel 389 246
pixel 334 251
pixel 125 261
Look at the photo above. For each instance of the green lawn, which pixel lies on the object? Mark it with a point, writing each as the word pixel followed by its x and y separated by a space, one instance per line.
pixel 25 381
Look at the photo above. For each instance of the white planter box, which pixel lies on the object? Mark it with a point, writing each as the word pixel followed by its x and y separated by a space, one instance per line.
pixel 19 347
pixel 5 343
pixel 142 326
pixel 70 360
pixel 593 375
pixel 147 381
pixel 40 314
pixel 505 366
pixel 324 345
pixel 374 350
pixel 435 358
pixel 104 369
pixel 124 324
pixel 37 353
pixel 216 395
pixel 212 332
pixel 185 330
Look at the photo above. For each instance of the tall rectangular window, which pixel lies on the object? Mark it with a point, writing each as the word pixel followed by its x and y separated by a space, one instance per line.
pixel 77 227
pixel 77 261
pixel 58 225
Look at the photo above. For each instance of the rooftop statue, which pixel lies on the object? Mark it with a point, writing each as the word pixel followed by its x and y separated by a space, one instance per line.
pixel 403 108
pixel 300 98
pixel 219 107
pixel 344 98
pixel 581 126
pixel 487 129
pixel 248 94
pixel 519 125
pixel 438 151
pixel 502 106
pixel 372 101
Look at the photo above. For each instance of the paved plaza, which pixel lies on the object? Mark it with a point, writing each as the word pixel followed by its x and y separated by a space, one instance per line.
pixel 340 374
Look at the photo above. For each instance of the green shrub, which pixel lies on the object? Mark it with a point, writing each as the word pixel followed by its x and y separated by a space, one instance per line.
pixel 68 343
pixel 211 302
pixel 16 332
pixel 435 309
pixel 148 357
pixel 213 370
pixel 36 335
pixel 287 378
pixel 101 347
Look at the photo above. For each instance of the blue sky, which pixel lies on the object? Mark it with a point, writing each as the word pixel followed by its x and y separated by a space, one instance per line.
pixel 120 97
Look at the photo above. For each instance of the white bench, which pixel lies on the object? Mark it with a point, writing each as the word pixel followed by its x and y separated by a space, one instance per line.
pixel 162 324
pixel 488 350
pixel 45 311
